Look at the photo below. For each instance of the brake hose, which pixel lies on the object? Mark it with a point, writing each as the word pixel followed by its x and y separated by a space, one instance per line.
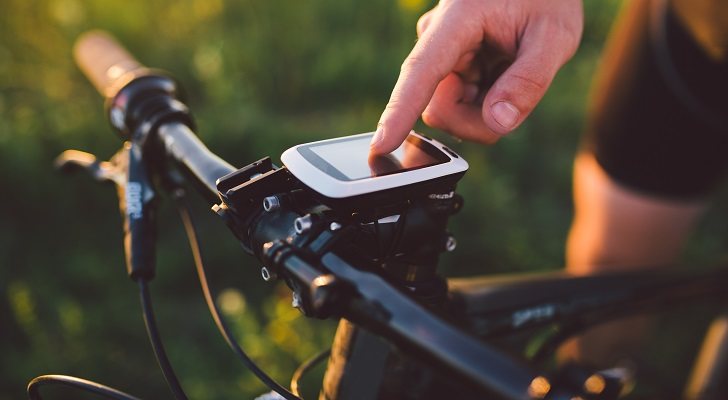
pixel 222 326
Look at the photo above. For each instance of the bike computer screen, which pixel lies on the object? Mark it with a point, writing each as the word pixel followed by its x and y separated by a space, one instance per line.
pixel 347 159
pixel 341 168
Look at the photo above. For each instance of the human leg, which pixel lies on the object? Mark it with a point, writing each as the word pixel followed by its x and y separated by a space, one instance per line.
pixel 615 229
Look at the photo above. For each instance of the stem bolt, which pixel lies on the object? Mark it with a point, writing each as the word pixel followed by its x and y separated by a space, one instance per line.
pixel 303 224
pixel 450 243
pixel 271 203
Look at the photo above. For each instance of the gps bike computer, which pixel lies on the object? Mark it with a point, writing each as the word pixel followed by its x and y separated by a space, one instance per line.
pixel 341 172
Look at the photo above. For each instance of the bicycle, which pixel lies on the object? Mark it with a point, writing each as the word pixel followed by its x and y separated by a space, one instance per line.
pixel 333 257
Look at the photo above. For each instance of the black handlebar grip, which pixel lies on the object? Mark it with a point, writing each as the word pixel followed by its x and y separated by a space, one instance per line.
pixel 104 61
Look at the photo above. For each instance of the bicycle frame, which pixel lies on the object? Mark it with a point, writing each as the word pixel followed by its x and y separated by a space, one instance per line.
pixel 498 306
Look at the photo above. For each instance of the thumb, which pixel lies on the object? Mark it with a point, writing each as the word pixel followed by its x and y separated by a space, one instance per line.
pixel 517 91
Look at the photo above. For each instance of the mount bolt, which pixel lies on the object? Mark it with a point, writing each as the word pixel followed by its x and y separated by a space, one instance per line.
pixel 303 224
pixel 271 203
pixel 450 243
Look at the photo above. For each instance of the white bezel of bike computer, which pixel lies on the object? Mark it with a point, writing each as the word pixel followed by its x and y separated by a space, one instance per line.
pixel 308 163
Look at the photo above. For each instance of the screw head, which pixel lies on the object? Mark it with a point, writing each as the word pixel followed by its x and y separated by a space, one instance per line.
pixel 267 274
pixel 117 118
pixel 296 300
pixel 303 224
pixel 271 203
pixel 335 226
pixel 450 243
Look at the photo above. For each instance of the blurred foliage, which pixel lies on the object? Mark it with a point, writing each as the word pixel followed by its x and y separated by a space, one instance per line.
pixel 260 76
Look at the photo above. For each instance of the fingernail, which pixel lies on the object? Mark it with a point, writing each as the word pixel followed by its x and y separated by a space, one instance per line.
pixel 378 136
pixel 505 114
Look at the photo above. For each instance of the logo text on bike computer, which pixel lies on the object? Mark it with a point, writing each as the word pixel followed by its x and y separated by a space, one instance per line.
pixel 442 196
pixel 134 200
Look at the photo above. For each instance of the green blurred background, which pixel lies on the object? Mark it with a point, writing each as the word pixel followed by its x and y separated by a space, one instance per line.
pixel 260 76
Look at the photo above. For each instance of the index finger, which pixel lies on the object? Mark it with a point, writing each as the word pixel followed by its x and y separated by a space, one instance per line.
pixel 432 58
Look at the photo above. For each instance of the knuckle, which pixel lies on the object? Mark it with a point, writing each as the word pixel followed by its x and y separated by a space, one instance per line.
pixel 531 82
pixel 397 106
pixel 412 65
pixel 420 68
pixel 567 40
pixel 572 40
pixel 481 135
pixel 565 35
pixel 423 21
pixel 450 3
pixel 431 118
pixel 488 138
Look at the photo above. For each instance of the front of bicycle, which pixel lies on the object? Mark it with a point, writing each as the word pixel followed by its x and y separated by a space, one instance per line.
pixel 354 238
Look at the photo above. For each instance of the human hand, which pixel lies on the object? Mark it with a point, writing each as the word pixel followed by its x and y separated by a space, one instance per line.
pixel 479 67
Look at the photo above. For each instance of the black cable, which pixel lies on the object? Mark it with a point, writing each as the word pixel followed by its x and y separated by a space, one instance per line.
pixel 191 232
pixel 156 342
pixel 97 388
pixel 77 383
pixel 305 367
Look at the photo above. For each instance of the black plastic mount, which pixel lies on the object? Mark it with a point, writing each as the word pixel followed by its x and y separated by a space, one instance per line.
pixel 248 186
pixel 242 193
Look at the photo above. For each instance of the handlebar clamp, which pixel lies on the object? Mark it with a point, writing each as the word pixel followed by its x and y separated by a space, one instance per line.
pixel 149 99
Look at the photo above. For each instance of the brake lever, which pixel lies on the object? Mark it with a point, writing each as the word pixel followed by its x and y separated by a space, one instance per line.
pixel 72 161
pixel 137 201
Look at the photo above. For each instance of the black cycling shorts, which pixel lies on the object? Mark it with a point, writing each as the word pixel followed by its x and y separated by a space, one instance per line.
pixel 658 121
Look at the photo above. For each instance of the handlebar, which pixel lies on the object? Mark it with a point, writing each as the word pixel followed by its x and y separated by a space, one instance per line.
pixel 200 165
pixel 104 61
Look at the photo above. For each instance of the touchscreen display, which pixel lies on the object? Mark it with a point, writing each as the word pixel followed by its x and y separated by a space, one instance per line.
pixel 348 158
